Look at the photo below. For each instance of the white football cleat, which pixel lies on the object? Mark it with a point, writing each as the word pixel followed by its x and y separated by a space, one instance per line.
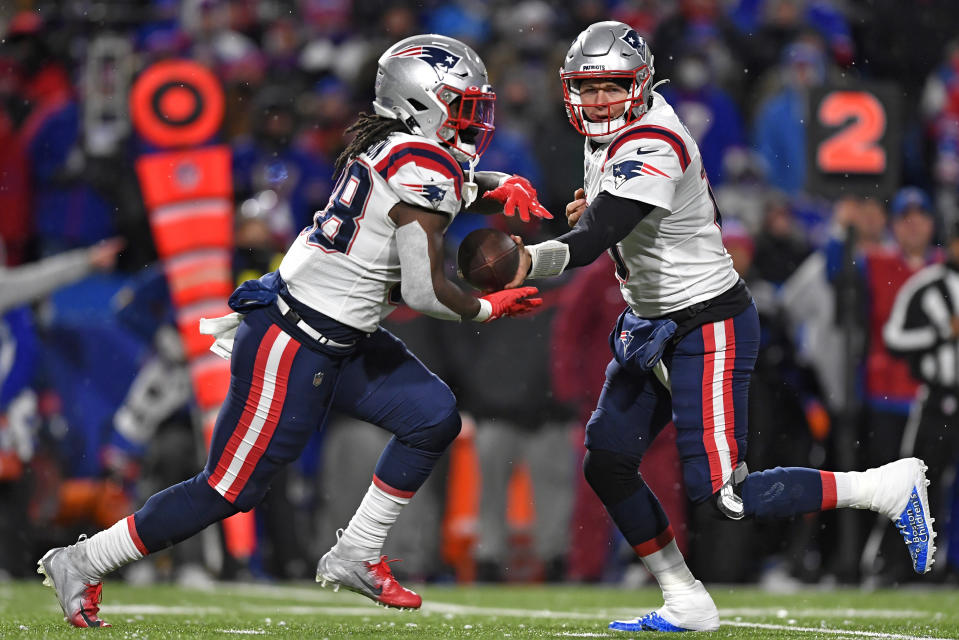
pixel 902 497
pixel 66 570
pixel 374 580
pixel 689 610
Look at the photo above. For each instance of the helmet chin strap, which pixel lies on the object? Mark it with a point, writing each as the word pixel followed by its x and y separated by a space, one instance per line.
pixel 470 188
pixel 462 155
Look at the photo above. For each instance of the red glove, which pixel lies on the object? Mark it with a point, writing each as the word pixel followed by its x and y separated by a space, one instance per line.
pixel 517 194
pixel 510 302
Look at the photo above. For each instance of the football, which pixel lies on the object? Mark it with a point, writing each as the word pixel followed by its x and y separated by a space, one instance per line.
pixel 487 259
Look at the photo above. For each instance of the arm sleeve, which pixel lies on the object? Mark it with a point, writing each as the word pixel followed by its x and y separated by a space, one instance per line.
pixel 416 281
pixel 33 281
pixel 606 221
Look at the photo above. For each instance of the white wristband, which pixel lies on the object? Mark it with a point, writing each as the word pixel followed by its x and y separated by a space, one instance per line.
pixel 486 310
pixel 548 259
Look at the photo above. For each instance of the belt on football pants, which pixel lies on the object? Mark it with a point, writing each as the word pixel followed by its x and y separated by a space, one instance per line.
pixel 292 316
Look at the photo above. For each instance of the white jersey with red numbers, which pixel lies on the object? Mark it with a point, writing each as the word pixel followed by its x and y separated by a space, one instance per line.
pixel 675 256
pixel 346 265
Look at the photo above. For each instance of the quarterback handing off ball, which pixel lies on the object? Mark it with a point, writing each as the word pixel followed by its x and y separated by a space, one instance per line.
pixel 487 259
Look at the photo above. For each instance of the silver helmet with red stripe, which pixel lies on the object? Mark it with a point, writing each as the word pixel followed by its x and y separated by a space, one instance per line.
pixel 439 87
pixel 608 51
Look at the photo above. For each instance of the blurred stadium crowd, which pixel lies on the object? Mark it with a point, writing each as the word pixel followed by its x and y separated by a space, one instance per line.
pixel 96 407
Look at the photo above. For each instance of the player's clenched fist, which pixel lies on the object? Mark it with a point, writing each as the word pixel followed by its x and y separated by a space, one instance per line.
pixel 576 208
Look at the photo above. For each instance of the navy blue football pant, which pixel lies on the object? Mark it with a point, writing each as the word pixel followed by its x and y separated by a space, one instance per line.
pixel 282 386
pixel 709 371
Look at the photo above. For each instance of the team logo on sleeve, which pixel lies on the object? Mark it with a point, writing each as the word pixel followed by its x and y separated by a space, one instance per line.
pixel 625 337
pixel 434 194
pixel 437 57
pixel 629 169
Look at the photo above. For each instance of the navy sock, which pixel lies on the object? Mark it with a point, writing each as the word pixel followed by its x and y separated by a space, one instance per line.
pixel 639 517
pixel 782 492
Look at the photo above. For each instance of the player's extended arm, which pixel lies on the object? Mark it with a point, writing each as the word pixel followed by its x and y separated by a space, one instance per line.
pixel 507 194
pixel 487 181
pixel 424 285
pixel 607 220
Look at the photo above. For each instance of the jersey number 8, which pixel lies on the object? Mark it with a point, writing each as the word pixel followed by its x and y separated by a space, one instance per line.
pixel 335 226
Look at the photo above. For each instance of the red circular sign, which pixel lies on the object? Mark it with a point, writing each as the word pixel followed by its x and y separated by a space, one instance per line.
pixel 176 103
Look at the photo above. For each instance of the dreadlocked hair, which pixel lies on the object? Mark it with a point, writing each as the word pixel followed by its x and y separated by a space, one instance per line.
pixel 369 129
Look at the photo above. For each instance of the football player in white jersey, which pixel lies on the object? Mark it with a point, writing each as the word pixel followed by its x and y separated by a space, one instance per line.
pixel 684 347
pixel 307 338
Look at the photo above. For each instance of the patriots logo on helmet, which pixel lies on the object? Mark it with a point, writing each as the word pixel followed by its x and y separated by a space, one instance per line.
pixel 629 169
pixel 437 57
pixel 635 41
pixel 434 194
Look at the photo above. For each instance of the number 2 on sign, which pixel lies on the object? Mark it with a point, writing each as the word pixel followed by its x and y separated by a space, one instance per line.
pixel 855 148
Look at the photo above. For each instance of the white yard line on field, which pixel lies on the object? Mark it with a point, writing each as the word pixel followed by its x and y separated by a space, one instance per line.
pixel 845 612
pixel 840 632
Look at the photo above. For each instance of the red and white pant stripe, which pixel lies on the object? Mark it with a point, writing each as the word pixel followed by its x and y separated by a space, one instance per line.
pixel 719 414
pixel 260 416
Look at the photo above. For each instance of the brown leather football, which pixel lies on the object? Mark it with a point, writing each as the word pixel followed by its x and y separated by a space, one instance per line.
pixel 488 259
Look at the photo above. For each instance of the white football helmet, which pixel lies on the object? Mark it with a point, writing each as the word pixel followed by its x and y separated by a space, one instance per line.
pixel 438 86
pixel 608 51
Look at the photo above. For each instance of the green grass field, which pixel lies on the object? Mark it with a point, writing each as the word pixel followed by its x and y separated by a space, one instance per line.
pixel 28 610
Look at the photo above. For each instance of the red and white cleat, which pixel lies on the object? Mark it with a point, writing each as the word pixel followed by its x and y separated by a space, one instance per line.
pixel 374 580
pixel 79 595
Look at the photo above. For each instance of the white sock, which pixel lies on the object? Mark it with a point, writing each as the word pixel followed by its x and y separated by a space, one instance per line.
pixel 112 548
pixel 856 489
pixel 669 568
pixel 364 537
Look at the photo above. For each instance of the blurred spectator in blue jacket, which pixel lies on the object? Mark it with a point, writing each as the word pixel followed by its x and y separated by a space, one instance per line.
pixel 777 22
pixel 67 211
pixel 780 125
pixel 271 162
pixel 736 58
pixel 20 356
pixel 939 108
pixel 708 112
